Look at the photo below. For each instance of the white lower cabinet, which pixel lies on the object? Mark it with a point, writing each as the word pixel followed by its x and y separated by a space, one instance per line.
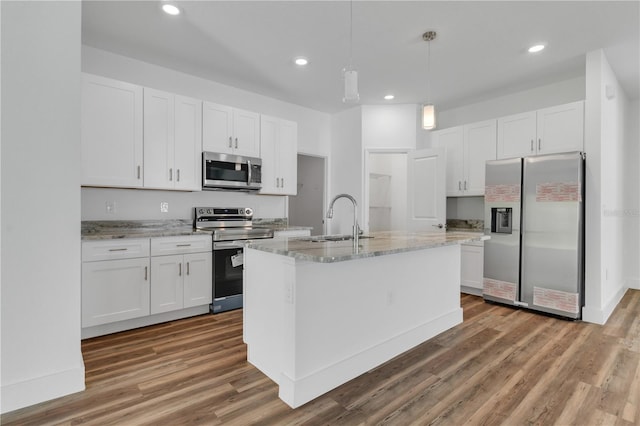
pixel 180 281
pixel 130 279
pixel 115 281
pixel 471 268
pixel 181 271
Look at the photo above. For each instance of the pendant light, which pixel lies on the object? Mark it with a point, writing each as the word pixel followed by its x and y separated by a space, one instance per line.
pixel 428 110
pixel 349 74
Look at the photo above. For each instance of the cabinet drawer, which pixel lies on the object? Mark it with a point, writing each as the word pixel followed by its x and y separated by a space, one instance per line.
pixel 127 248
pixel 177 245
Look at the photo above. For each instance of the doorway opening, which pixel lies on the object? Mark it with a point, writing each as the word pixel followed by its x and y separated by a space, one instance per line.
pixel 307 207
pixel 386 208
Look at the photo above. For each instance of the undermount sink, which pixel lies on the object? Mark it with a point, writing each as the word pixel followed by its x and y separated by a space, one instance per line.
pixel 325 238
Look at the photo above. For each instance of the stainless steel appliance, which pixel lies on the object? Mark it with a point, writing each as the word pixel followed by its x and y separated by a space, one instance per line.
pixel 534 213
pixel 232 228
pixel 225 171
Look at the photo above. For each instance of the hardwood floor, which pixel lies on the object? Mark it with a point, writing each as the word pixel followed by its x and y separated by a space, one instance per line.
pixel 500 366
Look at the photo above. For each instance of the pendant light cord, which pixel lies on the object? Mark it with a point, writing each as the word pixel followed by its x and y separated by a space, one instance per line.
pixel 351 34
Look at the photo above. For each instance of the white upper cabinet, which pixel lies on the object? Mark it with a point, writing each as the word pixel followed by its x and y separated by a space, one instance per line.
pixel 230 130
pixel 172 141
pixel 561 128
pixel 279 147
pixel 546 131
pixel 479 147
pixel 452 140
pixel 467 149
pixel 111 133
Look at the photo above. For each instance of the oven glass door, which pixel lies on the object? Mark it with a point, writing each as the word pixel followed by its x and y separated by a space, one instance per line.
pixel 227 269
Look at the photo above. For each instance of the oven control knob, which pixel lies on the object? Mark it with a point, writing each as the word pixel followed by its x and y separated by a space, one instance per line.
pixel 201 211
pixel 208 211
pixel 248 211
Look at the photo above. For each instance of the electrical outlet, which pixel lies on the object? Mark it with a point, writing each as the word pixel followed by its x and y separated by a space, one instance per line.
pixel 164 207
pixel 110 206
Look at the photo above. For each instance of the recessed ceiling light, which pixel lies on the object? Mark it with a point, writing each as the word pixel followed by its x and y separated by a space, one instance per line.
pixel 536 48
pixel 170 9
pixel 301 61
pixel 389 97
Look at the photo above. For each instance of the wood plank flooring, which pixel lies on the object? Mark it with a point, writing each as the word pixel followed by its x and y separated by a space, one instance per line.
pixel 501 366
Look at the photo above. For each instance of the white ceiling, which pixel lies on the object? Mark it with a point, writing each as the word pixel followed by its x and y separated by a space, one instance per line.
pixel 480 50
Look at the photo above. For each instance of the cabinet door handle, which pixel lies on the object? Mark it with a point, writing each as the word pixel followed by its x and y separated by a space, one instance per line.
pixel 459 185
pixel 539 144
pixel 119 249
pixel 170 175
pixel 178 175
pixel 236 143
pixel 187 268
pixel 281 182
pixel 531 145
pixel 179 269
pixel 230 142
pixel 138 172
pixel 465 185
pixel 146 270
pixel 183 245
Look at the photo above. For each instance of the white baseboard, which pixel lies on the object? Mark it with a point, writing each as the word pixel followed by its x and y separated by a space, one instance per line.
pixel 601 315
pixel 39 389
pixel 633 283
pixel 297 392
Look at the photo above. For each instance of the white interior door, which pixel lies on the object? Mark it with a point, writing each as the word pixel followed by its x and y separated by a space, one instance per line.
pixel 426 184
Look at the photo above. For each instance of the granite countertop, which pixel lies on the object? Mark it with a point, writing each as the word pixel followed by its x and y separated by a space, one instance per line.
pixel 114 229
pixel 378 244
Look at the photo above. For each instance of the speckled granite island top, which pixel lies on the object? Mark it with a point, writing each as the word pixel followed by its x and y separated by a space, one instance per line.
pixel 376 244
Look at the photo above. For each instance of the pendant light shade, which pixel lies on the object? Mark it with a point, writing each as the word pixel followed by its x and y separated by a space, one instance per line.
pixel 428 109
pixel 428 117
pixel 350 86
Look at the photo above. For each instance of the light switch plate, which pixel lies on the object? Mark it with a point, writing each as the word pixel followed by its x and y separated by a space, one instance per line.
pixel 164 207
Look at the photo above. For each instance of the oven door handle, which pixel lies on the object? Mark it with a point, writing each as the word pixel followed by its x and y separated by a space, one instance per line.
pixel 221 245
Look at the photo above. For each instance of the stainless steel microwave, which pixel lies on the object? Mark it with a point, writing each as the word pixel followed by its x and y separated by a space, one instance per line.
pixel 226 171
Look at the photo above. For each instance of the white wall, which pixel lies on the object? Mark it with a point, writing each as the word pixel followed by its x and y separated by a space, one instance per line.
pixel 313 138
pixel 307 208
pixel 41 354
pixel 345 169
pixel 632 197
pixel 605 186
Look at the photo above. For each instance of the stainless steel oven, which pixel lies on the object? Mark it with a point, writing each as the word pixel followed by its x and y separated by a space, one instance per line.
pixel 232 229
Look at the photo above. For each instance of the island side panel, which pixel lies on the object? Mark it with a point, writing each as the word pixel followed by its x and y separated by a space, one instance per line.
pixel 342 319
pixel 266 277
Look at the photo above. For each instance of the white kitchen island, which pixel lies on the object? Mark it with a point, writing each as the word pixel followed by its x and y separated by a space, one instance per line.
pixel 320 313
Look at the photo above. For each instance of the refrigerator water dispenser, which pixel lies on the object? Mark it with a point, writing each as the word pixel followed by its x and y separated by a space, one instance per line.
pixel 501 220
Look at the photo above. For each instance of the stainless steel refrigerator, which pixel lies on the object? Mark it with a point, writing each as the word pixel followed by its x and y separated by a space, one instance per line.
pixel 534 213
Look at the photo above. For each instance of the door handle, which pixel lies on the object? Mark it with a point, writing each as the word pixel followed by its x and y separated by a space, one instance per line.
pixel 138 172
pixel 178 175
pixel 236 143
pixel 531 145
pixel 146 270
pixel 230 142
pixel 465 185
pixel 170 175
pixel 539 144
pixel 459 185
pixel 179 269
pixel 187 268
pixel 438 226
